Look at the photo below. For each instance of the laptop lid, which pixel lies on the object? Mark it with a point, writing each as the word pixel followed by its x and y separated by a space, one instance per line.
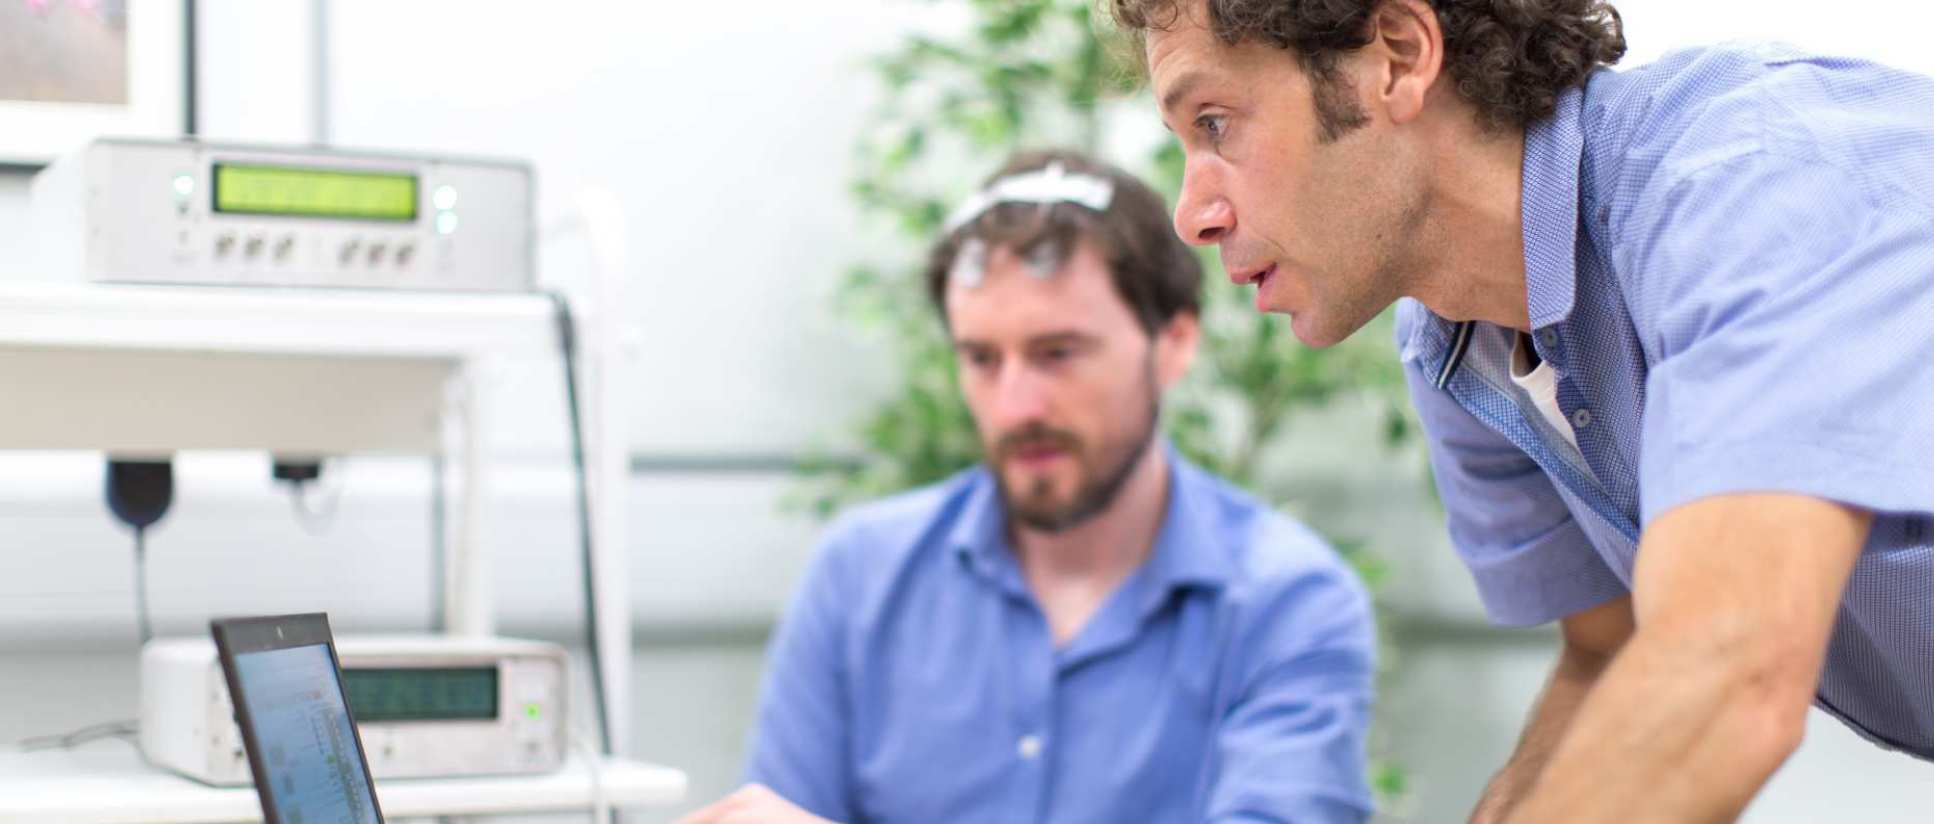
pixel 302 744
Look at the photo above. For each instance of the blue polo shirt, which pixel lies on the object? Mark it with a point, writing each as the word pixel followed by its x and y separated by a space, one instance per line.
pixel 914 679
pixel 1729 260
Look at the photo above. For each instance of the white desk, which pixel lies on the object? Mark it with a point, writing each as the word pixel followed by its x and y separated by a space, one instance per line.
pixel 107 783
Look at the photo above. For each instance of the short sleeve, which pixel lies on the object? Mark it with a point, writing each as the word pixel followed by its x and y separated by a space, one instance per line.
pixel 1790 312
pixel 1531 562
pixel 800 744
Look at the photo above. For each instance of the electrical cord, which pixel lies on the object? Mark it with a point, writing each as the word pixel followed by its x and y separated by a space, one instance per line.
pixel 141 620
pixel 567 342
pixel 315 520
pixel 437 538
pixel 600 803
pixel 139 494
pixel 123 730
pixel 303 476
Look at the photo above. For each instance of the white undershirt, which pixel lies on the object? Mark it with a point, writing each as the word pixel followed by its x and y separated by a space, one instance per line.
pixel 1542 385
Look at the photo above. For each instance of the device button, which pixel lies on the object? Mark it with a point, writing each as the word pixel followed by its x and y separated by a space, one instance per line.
pixel 284 247
pixel 348 252
pixel 253 246
pixel 224 244
pixel 376 252
pixel 404 253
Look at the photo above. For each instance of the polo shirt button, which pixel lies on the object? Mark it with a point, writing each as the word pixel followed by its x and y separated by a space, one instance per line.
pixel 1030 747
pixel 1581 418
pixel 1548 337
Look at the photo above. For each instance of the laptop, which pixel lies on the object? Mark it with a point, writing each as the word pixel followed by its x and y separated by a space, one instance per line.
pixel 302 744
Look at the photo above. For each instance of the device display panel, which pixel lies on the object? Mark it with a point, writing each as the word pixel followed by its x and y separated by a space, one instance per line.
pixel 422 693
pixel 294 191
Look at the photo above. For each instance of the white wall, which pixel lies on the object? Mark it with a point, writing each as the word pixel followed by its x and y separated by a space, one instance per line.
pixel 1890 32
pixel 725 133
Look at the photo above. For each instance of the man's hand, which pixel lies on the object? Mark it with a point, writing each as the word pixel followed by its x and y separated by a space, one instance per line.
pixel 1592 637
pixel 752 804
pixel 1735 597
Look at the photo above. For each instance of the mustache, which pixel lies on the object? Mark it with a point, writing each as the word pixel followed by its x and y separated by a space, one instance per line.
pixel 1035 436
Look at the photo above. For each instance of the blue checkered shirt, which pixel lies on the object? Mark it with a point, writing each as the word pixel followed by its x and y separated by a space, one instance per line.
pixel 1729 257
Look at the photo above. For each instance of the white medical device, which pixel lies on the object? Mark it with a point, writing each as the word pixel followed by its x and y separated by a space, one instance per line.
pixel 187 212
pixel 426 706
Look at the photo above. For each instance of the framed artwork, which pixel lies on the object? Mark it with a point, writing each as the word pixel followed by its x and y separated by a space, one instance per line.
pixel 71 70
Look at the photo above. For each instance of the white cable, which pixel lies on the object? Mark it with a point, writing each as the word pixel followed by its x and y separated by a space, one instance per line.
pixel 600 805
pixel 319 519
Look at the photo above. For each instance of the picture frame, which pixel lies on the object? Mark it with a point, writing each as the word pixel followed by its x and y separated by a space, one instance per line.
pixel 88 68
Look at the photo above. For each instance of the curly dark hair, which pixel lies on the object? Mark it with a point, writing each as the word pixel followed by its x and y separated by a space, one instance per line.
pixel 1509 58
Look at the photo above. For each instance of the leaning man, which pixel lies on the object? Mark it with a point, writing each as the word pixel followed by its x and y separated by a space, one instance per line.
pixel 1668 332
pixel 1085 628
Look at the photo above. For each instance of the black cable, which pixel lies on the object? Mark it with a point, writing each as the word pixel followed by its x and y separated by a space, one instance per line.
pixel 567 342
pixel 139 493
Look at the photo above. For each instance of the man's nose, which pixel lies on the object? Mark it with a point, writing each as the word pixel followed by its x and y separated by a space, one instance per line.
pixel 1019 397
pixel 1202 216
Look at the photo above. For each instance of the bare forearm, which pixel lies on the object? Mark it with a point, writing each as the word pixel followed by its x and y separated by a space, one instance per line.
pixel 1571 680
pixel 1666 738
pixel 1736 595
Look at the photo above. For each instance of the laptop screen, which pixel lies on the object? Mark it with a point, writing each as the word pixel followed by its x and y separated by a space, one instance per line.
pixel 314 768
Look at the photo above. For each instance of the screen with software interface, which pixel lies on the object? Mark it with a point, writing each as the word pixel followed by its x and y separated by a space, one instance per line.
pixel 302 731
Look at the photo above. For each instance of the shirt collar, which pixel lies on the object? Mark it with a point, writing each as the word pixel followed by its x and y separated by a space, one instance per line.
pixel 1553 149
pixel 1188 550
pixel 978 535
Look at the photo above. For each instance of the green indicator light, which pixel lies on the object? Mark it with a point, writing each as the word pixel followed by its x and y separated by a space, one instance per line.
pixel 531 711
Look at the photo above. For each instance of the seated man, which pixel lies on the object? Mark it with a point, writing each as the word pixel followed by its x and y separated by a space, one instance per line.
pixel 1086 628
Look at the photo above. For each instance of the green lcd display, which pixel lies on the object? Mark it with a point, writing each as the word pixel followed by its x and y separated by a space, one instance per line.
pixel 299 192
pixel 421 694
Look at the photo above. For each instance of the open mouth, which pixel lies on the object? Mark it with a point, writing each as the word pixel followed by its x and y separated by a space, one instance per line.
pixel 1261 281
pixel 1251 277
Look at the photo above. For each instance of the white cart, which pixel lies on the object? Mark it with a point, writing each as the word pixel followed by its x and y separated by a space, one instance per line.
pixel 138 370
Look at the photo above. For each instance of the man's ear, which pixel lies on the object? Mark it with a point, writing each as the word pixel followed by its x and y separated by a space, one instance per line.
pixel 1407 53
pixel 1175 345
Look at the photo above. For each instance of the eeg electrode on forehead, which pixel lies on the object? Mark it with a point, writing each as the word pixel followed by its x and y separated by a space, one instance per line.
pixel 1046 186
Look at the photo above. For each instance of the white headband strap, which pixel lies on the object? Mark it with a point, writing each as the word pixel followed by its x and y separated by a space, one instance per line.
pixel 1045 186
